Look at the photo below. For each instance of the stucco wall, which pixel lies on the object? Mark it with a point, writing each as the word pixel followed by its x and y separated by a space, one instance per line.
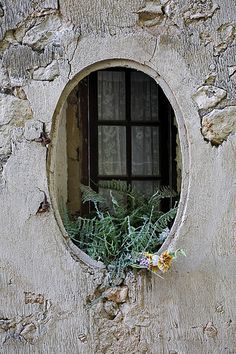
pixel 47 286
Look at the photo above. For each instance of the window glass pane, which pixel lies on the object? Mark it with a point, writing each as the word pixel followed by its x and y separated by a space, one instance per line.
pixel 111 150
pixel 144 98
pixel 147 188
pixel 111 95
pixel 145 151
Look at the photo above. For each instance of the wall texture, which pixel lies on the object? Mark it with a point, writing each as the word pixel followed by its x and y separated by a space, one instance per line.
pixel 53 299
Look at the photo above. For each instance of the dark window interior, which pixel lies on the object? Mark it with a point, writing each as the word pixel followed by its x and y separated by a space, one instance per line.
pixel 128 130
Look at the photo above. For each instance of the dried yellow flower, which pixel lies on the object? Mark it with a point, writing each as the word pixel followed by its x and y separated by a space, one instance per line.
pixel 164 261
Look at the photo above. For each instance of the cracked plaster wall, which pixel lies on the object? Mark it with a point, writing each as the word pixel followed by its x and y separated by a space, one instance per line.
pixel 51 301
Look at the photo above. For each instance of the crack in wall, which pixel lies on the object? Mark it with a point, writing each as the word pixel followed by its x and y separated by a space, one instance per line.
pixel 72 57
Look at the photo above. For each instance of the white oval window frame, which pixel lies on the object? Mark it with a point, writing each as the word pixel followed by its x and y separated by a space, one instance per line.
pixel 173 237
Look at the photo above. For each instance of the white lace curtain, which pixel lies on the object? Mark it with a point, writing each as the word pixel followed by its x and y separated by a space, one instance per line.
pixel 112 141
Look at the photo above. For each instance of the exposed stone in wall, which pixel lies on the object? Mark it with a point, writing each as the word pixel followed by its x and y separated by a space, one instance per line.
pixel 210 330
pixel 220 38
pixel 14 12
pixel 225 37
pixel 33 130
pixel 151 15
pixel 28 328
pixel 32 298
pixel 219 124
pixel 4 78
pixel 34 47
pixel 119 318
pixel 205 38
pixel 200 10
pixel 13 108
pixel 13 114
pixel 211 78
pixel 43 33
pixel 209 96
pixel 49 73
pixel 20 60
pixel 160 15
pixel 6 87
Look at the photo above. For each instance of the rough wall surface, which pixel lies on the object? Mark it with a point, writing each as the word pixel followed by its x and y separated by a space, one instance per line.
pixel 51 302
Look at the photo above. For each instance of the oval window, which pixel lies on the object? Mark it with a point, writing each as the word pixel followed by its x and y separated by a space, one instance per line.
pixel 122 148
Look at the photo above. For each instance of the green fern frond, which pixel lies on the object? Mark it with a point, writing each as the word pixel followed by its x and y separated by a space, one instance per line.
pixel 164 220
pixel 117 236
pixel 116 185
pixel 161 193
pixel 89 195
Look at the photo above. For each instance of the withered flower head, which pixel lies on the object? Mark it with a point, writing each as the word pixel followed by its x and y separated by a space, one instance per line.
pixel 164 262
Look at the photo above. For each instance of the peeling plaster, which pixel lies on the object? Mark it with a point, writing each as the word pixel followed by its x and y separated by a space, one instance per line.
pixel 32 298
pixel 211 78
pixel 14 113
pixel 38 47
pixel 13 108
pixel 33 130
pixel 48 73
pixel 210 330
pixel 200 10
pixel 17 12
pixel 27 328
pixel 119 318
pixel 157 16
pixel 44 205
pixel 225 37
pixel 151 15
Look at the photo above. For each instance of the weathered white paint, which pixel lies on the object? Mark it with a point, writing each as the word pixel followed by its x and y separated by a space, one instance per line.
pixel 44 283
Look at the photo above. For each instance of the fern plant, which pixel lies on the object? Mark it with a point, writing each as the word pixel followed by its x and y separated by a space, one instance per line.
pixel 118 235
